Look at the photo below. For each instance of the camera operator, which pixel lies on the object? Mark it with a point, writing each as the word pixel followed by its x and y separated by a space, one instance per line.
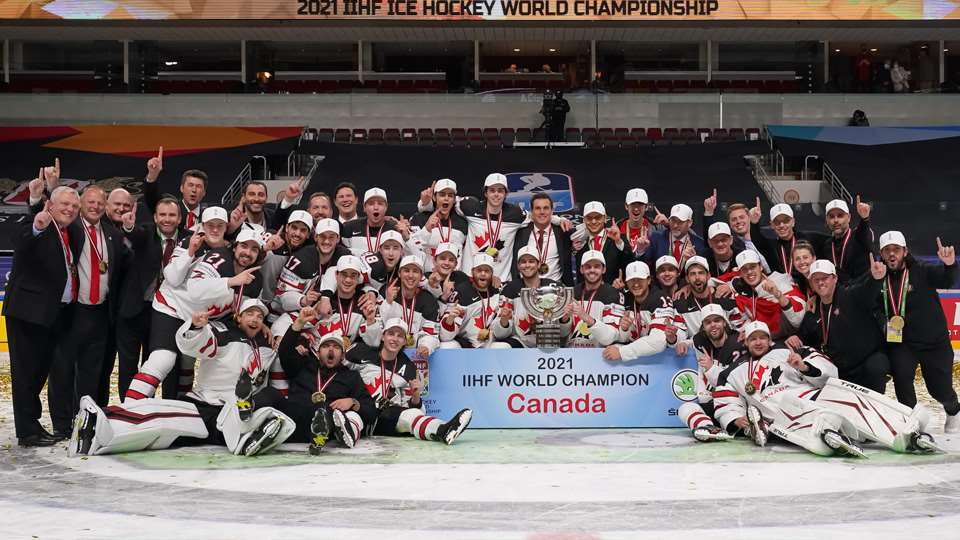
pixel 554 111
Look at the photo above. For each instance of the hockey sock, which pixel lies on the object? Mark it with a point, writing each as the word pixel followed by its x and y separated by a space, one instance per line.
pixel 146 382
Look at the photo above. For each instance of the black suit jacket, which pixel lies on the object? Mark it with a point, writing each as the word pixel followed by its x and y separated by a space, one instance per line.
pixel 617 259
pixel 146 266
pixel 152 195
pixel 564 250
pixel 118 257
pixel 38 277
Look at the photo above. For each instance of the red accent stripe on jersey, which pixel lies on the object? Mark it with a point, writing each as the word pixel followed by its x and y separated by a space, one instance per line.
pixel 658 326
pixel 278 376
pixel 133 394
pixel 283 391
pixel 161 299
pixel 703 418
pixel 446 326
pixel 720 406
pixel 206 346
pixel 147 378
pixel 808 392
pixel 725 393
pixel 298 287
pixel 423 426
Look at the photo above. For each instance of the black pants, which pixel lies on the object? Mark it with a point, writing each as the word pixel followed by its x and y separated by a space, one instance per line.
pixel 77 372
pixel 133 338
pixel 936 364
pixel 301 412
pixel 208 413
pixel 32 350
pixel 872 372
pixel 109 361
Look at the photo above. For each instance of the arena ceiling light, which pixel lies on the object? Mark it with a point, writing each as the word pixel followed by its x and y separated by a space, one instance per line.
pixel 170 63
pixel 552 49
pixel 516 50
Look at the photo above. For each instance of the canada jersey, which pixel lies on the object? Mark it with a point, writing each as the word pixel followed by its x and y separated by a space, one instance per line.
pixel 420 314
pixel 605 306
pixel 302 273
pixel 690 308
pixel 206 289
pixel 385 381
pixel 222 352
pixel 497 232
pixel 480 308
pixel 452 230
pixel 522 325
pixel 360 238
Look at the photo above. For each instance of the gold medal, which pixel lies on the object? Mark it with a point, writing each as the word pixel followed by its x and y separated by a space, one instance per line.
pixel 897 322
pixel 318 398
pixel 544 269
pixel 483 334
pixel 492 251
pixel 410 341
pixel 750 388
pixel 346 343
pixel 103 267
pixel 583 329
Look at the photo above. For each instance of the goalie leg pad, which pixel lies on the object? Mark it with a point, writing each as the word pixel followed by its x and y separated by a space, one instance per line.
pixel 876 417
pixel 146 424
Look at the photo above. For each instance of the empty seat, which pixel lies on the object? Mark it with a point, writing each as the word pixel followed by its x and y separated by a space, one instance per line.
pixel 752 134
pixel 375 136
pixel 441 137
pixel 540 135
pixel 458 136
pixel 358 136
pixel 341 136
pixel 408 135
pixel 507 136
pixel 491 137
pixel 623 134
pixel 425 137
pixel 325 135
pixel 475 137
pixel 391 136
pixel 637 133
pixel 654 133
pixel 572 135
pixel 524 135
pixel 609 138
pixel 736 134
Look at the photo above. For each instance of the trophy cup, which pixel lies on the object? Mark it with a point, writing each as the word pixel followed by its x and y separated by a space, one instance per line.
pixel 545 304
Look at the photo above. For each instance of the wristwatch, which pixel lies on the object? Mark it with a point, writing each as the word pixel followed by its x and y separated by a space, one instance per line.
pixel 356 405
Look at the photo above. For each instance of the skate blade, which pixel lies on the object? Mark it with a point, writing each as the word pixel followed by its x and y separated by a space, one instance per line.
pixel 927 445
pixel 73 449
pixel 757 433
pixel 269 433
pixel 706 436
pixel 840 443
pixel 464 422
pixel 340 421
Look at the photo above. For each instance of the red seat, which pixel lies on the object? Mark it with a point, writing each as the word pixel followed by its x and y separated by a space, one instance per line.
pixel 654 133
pixel 358 136
pixel 375 136
pixel 408 135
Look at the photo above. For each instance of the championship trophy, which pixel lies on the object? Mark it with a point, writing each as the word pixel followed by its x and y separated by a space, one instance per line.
pixel 545 304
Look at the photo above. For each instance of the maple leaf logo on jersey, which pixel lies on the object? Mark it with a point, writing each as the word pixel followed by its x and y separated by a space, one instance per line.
pixel 481 320
pixel 324 329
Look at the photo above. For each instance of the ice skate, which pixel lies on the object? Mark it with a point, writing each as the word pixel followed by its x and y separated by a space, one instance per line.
pixel 84 431
pixel 835 440
pixel 319 431
pixel 711 434
pixel 449 431
pixel 244 393
pixel 263 436
pixel 343 429
pixel 758 428
pixel 924 443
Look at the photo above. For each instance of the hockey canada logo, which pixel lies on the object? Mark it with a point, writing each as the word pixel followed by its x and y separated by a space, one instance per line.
pixel 524 185
pixel 684 385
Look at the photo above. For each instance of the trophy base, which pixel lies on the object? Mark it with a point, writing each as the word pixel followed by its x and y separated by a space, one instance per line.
pixel 549 336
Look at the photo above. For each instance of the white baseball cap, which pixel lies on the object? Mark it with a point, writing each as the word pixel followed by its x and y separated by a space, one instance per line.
pixel 248 234
pixel 482 259
pixel 447 247
pixel 444 183
pixel 594 207
pixel 667 259
pixel 301 216
pixel 335 336
pixel 212 213
pixel 350 262
pixel 394 322
pixel 718 228
pixel 327 225
pixel 391 235
pixel 747 256
pixel 637 270
pixel 592 255
pixel 895 238
pixel 711 310
pixel 527 251
pixel 695 260
pixel 780 210
pixel 249 303
pixel 411 259
pixel 495 179
pixel 637 195
pixel 823 266
pixel 681 212
pixel 374 192
pixel 755 326
pixel 839 204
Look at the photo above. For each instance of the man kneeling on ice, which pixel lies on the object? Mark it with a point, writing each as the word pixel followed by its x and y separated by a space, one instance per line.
pixel 209 412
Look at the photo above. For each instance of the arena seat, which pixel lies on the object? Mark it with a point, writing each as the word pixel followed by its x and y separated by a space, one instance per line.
pixel 507 136
pixel 491 138
pixel 408 136
pixel 572 135
pixel 425 137
pixel 391 136
pixel 524 135
pixel 375 136
pixel 441 137
pixel 341 136
pixel 358 136
pixel 458 137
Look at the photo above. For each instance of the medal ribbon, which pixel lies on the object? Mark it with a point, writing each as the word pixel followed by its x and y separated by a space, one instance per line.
pixel 96 245
pixel 449 229
pixel 898 305
pixel 321 385
pixel 788 261
pixel 589 303
pixel 345 323
pixel 403 310
pixel 493 236
pixel 843 249
pixel 484 307
pixel 375 247
pixel 825 326
pixel 545 248
pixel 384 383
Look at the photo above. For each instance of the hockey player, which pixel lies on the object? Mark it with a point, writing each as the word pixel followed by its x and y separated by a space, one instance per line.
pixel 443 280
pixel 648 312
pixel 513 324
pixel 364 236
pixel 667 274
pixel 717 347
pixel 280 247
pixel 597 236
pixel 208 412
pixel 391 379
pixel 415 306
pixel 442 225
pixel 467 321
pixel 701 293
pixel 593 320
pixel 217 283
pixel 385 263
pixel 774 299
pixel 325 396
pixel 797 397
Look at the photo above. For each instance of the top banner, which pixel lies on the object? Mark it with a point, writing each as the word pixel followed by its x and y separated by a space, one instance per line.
pixel 477 10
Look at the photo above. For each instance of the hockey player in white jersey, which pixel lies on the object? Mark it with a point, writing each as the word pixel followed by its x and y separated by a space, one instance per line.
pixel 391 379
pixel 467 321
pixel 797 397
pixel 295 235
pixel 216 284
pixel 593 319
pixel 365 235
pixel 514 325
pixel 207 413
pixel 415 306
pixel 429 229
pixel 443 280
pixel 717 347
pixel 648 312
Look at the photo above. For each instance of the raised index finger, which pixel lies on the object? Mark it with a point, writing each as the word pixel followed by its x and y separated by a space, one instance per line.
pixel 939 243
pixel 160 154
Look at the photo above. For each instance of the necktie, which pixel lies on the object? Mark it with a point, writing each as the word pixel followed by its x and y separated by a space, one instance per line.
pixel 676 249
pixel 190 219
pixel 540 240
pixel 596 243
pixel 167 251
pixel 71 275
pixel 94 267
